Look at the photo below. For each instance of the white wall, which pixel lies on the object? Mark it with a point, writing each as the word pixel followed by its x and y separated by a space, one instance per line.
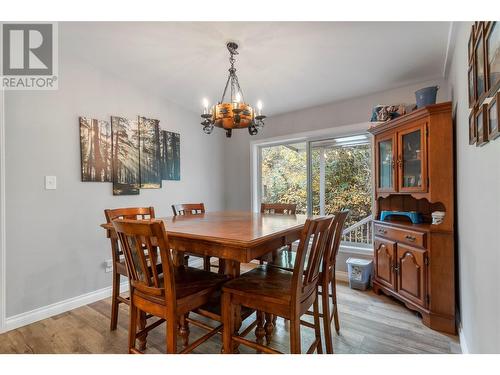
pixel 237 180
pixel 478 196
pixel 55 248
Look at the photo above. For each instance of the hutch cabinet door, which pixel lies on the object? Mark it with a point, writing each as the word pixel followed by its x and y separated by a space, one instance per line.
pixel 412 159
pixel 412 274
pixel 384 256
pixel 385 154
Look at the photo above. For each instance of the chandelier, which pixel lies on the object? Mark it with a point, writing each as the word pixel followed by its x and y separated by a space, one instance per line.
pixel 235 114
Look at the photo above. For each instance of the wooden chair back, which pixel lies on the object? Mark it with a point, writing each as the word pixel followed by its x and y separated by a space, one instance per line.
pixel 312 246
pixel 278 208
pixel 335 238
pixel 188 209
pixel 133 213
pixel 137 238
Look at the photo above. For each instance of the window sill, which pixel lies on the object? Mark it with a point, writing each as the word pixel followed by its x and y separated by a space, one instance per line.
pixel 359 250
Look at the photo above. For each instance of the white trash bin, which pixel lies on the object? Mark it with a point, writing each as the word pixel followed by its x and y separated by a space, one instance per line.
pixel 360 273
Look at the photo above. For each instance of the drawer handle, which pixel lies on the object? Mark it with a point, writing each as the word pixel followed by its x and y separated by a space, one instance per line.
pixel 380 230
pixel 410 238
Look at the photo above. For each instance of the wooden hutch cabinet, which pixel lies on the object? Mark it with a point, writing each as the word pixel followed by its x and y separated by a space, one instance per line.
pixel 414 172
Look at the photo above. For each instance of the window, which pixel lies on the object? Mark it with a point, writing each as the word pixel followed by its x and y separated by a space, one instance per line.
pixel 283 171
pixel 321 176
pixel 341 177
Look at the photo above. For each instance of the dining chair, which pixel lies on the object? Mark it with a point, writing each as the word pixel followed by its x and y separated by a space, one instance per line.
pixel 169 295
pixel 286 260
pixel 278 209
pixel 118 260
pixel 187 209
pixel 281 292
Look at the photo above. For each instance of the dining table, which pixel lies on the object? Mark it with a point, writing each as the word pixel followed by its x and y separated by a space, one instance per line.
pixel 234 237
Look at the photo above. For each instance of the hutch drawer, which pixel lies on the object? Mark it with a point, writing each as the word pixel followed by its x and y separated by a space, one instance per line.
pixel 401 235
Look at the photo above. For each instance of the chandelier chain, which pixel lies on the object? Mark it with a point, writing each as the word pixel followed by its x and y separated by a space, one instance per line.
pixel 232 78
pixel 225 89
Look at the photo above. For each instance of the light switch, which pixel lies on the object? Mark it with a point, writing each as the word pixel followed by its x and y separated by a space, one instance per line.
pixel 50 182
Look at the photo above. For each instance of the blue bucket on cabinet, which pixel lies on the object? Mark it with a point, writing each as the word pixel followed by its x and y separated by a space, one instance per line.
pixel 426 96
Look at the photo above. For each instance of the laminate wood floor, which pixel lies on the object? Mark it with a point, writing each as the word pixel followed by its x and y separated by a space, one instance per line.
pixel 369 324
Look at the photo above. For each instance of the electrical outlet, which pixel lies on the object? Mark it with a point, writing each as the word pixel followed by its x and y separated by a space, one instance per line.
pixel 108 265
pixel 50 182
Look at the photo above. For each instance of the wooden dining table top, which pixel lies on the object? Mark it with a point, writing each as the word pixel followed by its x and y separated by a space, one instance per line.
pixel 233 227
pixel 238 235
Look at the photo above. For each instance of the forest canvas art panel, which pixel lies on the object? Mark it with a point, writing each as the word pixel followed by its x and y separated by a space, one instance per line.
pixel 170 155
pixel 95 145
pixel 126 176
pixel 149 153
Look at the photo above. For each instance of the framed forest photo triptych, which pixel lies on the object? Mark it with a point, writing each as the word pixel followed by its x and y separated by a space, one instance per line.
pixel 149 151
pixel 170 147
pixel 132 154
pixel 126 179
pixel 483 81
pixel 95 147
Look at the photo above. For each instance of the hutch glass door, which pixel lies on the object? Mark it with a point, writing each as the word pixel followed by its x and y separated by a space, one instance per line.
pixel 412 160
pixel 385 160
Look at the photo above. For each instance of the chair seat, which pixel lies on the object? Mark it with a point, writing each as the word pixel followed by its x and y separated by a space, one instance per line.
pixel 213 308
pixel 189 281
pixel 267 282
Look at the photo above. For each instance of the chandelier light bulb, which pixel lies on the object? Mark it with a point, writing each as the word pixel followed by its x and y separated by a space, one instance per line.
pixel 237 100
pixel 205 105
pixel 259 107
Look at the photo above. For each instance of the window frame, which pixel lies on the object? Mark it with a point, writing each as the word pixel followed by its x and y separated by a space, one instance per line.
pixel 307 137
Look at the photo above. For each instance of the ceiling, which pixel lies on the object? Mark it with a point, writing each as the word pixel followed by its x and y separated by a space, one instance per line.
pixel 287 65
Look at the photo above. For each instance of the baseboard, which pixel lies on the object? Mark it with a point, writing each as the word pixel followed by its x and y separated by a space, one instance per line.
pixel 463 342
pixel 342 276
pixel 45 312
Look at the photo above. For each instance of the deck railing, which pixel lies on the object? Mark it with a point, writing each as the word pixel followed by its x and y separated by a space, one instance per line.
pixel 359 234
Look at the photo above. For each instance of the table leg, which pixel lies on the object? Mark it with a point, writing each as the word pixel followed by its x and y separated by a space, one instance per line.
pixel 269 327
pixel 178 258
pixel 232 269
pixel 260 332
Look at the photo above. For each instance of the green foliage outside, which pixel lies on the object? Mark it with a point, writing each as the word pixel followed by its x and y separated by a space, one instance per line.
pixel 284 176
pixel 347 179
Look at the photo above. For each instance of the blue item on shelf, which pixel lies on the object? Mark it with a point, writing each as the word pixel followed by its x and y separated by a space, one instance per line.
pixel 415 217
pixel 426 96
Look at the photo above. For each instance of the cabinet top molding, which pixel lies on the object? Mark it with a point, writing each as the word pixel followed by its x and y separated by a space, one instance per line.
pixel 412 116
